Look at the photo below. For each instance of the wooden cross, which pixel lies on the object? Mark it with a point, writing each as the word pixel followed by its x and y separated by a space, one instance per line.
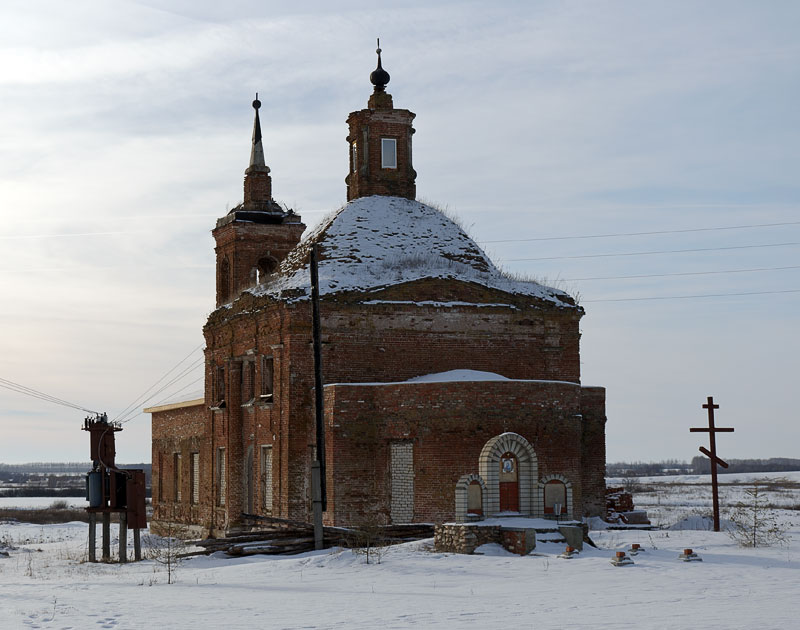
pixel 712 454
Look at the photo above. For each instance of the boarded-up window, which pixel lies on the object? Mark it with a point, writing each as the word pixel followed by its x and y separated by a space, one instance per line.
pixel 266 478
pixel 178 478
pixel 267 376
pixel 402 474
pixel 195 478
pixel 222 478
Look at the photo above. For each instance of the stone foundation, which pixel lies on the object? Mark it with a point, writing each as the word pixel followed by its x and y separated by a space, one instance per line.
pixel 463 538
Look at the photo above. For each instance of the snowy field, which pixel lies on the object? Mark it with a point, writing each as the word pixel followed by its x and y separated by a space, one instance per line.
pixel 46 583
pixel 40 502
pixel 669 499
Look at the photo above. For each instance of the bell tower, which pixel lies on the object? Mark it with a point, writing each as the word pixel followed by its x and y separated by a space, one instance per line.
pixel 380 145
pixel 254 237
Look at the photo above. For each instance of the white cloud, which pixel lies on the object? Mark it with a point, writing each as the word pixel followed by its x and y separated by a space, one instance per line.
pixel 533 119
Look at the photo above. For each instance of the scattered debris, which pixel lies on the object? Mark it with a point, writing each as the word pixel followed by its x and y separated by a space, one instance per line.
pixel 620 510
pixel 277 536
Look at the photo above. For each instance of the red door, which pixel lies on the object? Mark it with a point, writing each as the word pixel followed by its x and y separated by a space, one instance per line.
pixel 509 483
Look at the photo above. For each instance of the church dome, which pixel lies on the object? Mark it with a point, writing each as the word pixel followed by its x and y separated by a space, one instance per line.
pixel 376 242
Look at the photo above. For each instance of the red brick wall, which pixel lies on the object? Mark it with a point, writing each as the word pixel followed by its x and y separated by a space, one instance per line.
pixel 367 127
pixel 384 342
pixel 449 423
pixel 184 430
pixel 593 449
pixel 243 244
pixel 389 343
pixel 395 342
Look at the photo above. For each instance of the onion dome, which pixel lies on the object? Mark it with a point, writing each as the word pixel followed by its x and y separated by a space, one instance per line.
pixel 379 77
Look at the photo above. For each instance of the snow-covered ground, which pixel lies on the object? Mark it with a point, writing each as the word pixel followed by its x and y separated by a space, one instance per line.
pixel 45 583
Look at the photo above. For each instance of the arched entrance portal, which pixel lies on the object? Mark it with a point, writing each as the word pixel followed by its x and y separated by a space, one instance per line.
pixel 508 465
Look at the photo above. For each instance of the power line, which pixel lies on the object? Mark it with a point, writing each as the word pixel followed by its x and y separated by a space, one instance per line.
pixel 175 393
pixel 137 400
pixel 135 411
pixel 682 273
pixel 34 393
pixel 651 233
pixel 650 253
pixel 689 297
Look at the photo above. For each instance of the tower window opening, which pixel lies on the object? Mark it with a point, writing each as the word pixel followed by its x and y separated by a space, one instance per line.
pixel 388 153
pixel 266 265
pixel 354 152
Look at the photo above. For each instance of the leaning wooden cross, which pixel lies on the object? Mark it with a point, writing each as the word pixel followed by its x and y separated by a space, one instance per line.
pixel 712 454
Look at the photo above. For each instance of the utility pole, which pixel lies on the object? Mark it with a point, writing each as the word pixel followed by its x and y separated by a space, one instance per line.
pixel 712 454
pixel 318 490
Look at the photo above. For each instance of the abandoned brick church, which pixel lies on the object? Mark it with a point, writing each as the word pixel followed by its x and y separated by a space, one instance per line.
pixel 452 391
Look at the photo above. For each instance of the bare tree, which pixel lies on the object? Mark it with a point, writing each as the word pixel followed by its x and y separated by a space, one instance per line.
pixel 368 539
pixel 753 523
pixel 168 550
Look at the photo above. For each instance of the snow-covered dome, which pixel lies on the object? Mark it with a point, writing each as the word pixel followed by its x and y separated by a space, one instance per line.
pixel 377 242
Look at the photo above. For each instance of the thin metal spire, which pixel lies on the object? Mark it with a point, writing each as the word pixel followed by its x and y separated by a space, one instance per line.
pixel 257 152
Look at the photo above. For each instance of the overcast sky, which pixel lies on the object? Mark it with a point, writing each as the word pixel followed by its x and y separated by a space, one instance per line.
pixel 125 131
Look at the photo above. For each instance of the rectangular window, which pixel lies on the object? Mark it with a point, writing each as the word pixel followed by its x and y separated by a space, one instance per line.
pixel 248 376
pixel 354 164
pixel 267 378
pixel 219 385
pixel 177 477
pixel 222 481
pixel 195 478
pixel 266 478
pixel 160 477
pixel 388 153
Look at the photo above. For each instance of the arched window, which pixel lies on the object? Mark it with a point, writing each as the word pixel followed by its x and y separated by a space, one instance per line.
pixel 555 497
pixel 475 498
